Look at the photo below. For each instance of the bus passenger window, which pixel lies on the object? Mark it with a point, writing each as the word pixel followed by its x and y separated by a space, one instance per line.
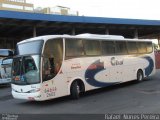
pixel 108 47
pixel 142 47
pixel 121 47
pixel 92 47
pixel 74 48
pixel 132 47
pixel 149 47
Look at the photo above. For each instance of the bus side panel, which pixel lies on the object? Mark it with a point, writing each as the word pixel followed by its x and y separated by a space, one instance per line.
pixel 94 71
pixel 98 72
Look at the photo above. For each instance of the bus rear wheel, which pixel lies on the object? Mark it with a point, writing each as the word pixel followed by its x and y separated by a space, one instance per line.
pixel 75 90
pixel 140 76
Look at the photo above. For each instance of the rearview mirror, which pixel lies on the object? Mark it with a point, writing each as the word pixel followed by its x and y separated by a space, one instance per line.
pixel 6 53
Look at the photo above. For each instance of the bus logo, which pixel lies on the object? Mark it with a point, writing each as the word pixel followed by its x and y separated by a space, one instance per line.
pixel 115 62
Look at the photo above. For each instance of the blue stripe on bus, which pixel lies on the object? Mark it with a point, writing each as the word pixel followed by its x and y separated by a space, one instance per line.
pixel 150 67
pixel 98 66
pixel 92 70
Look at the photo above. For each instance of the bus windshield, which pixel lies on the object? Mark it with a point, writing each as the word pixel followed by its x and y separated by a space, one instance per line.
pixel 26 70
pixel 32 47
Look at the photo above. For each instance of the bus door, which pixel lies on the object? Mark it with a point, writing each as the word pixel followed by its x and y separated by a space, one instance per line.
pixel 52 77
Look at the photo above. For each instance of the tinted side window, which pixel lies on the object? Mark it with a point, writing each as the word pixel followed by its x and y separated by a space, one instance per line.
pixel 132 47
pixel 74 48
pixel 92 47
pixel 149 47
pixel 141 47
pixel 33 47
pixel 121 47
pixel 108 47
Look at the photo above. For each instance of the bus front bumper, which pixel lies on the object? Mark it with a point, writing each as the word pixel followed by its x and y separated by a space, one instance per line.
pixel 27 96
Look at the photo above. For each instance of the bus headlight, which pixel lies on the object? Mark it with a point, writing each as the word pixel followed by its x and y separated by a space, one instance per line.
pixel 31 91
pixel 14 90
pixel 34 90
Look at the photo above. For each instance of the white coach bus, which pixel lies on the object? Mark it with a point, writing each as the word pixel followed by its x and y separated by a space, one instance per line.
pixel 52 66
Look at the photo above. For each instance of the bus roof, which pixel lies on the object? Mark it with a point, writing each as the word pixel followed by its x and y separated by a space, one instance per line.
pixel 85 36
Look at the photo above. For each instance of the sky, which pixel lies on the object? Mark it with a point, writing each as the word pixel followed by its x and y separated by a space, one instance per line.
pixel 136 9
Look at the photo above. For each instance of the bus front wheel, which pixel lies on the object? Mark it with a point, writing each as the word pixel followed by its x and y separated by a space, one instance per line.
pixel 140 76
pixel 75 90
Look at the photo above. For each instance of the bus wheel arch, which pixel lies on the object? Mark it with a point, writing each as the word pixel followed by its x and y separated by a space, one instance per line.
pixel 77 86
pixel 140 75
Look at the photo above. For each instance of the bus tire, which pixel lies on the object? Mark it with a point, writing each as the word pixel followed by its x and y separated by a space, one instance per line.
pixel 140 76
pixel 75 90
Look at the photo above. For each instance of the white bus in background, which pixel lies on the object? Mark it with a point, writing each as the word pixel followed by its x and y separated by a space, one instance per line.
pixel 5 66
pixel 48 67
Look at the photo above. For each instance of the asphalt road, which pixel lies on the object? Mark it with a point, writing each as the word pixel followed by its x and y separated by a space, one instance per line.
pixel 131 97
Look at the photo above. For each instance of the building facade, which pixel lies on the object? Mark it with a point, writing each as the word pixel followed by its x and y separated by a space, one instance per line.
pixel 16 5
pixel 57 10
